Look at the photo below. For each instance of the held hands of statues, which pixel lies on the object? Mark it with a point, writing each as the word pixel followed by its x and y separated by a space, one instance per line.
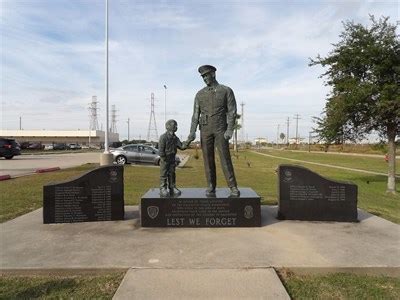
pixel 228 134
pixel 191 137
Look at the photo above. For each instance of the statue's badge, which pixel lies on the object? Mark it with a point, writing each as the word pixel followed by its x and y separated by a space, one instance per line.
pixel 248 212
pixel 152 211
pixel 287 176
pixel 113 176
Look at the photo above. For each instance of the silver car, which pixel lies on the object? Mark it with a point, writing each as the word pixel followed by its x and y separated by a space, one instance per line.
pixel 137 153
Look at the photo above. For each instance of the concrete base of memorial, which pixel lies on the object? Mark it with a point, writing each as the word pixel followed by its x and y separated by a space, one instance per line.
pixel 28 245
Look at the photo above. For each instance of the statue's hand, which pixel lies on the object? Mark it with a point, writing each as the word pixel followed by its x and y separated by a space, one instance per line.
pixel 191 137
pixel 228 134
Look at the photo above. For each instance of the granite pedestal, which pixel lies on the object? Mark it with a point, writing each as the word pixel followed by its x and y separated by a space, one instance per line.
pixel 193 209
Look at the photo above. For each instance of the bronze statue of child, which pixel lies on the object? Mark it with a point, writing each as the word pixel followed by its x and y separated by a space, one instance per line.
pixel 167 146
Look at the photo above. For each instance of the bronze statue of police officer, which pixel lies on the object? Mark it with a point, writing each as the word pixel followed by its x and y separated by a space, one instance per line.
pixel 215 113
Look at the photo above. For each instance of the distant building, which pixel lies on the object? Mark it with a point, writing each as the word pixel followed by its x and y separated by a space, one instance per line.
pixel 61 136
pixel 260 140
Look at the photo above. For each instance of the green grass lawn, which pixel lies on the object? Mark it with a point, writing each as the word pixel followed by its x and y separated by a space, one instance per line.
pixel 340 286
pixel 331 286
pixel 375 164
pixel 24 194
pixel 60 287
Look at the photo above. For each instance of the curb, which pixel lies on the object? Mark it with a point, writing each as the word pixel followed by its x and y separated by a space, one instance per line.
pixel 4 177
pixel 47 170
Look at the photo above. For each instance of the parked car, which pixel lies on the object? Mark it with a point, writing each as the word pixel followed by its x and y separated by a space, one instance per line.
pixel 36 146
pixel 74 146
pixel 60 146
pixel 25 145
pixel 48 147
pixel 137 153
pixel 9 148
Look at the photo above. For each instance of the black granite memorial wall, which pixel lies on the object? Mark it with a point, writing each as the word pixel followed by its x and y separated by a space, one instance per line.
pixel 305 195
pixel 95 196
pixel 193 209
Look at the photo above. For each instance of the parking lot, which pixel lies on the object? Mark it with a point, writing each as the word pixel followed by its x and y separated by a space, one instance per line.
pixel 27 164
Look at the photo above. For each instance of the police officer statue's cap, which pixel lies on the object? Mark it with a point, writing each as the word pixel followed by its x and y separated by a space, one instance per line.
pixel 206 69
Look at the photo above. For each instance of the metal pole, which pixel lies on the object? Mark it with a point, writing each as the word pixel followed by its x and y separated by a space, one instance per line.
pixel 106 147
pixel 309 141
pixel 20 123
pixel 287 131
pixel 128 129
pixel 165 104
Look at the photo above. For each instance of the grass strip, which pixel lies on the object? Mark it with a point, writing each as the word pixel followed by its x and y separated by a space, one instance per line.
pixel 24 194
pixel 340 286
pixel 60 287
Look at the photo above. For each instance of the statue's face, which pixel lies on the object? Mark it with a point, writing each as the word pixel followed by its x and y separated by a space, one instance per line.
pixel 209 78
pixel 172 126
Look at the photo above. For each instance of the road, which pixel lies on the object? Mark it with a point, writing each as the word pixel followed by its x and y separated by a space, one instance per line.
pixel 28 164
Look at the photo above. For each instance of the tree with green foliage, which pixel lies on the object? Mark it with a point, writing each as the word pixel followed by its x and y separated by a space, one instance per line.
pixel 282 136
pixel 363 70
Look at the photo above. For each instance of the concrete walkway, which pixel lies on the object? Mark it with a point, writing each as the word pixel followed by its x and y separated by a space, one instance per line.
pixel 27 243
pixel 186 263
pixel 201 284
pixel 324 165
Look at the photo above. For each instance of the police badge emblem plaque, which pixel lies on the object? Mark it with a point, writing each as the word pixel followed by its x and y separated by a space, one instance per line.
pixel 152 211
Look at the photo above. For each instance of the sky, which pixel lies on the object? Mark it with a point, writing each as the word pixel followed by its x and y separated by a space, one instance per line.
pixel 53 60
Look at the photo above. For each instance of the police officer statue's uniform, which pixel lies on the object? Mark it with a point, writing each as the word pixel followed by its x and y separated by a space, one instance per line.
pixel 215 113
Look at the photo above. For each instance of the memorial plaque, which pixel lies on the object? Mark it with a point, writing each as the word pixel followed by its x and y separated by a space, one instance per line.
pixel 193 209
pixel 95 196
pixel 305 195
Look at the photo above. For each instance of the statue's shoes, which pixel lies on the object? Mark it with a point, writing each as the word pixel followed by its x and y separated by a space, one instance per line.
pixel 164 192
pixel 210 192
pixel 235 192
pixel 175 192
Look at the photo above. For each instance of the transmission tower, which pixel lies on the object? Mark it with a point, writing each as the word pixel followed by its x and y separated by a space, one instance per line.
pixel 113 119
pixel 242 123
pixel 93 123
pixel 152 123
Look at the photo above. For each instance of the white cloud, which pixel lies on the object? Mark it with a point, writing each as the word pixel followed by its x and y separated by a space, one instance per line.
pixel 53 59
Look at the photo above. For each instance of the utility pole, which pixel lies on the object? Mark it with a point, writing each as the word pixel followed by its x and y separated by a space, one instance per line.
pixel 242 122
pixel 20 123
pixel 297 117
pixel 309 141
pixel 165 103
pixel 277 136
pixel 287 131
pixel 128 129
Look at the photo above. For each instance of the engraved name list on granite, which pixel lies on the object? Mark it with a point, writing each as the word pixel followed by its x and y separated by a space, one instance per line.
pixel 305 195
pixel 95 196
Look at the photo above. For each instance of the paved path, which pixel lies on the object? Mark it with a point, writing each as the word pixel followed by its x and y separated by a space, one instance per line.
pixel 261 283
pixel 324 165
pixel 202 263
pixel 27 164
pixel 381 156
pixel 373 242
